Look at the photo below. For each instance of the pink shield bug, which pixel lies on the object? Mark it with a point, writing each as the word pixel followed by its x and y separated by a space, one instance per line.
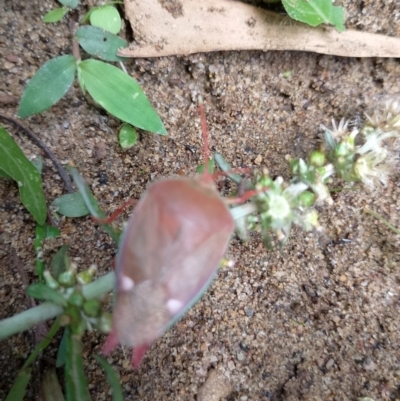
pixel 168 255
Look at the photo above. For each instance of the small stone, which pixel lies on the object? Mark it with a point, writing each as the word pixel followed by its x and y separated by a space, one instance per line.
pixel 244 398
pixel 330 363
pixel 240 356
pixel 7 65
pixel 12 58
pixel 231 365
pixel 216 386
pixel 258 160
pixel 249 312
pixel 369 364
pixel 343 278
pixel 336 319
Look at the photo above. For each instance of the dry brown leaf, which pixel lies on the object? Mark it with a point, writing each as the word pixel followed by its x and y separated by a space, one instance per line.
pixel 192 26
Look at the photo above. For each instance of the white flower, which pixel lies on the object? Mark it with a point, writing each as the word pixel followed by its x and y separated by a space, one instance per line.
pixel 375 162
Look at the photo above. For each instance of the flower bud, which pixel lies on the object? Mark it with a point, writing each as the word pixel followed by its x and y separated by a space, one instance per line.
pixel 50 281
pixel 76 299
pixel 105 322
pixel 66 279
pixel 92 308
pixel 317 158
pixel 307 199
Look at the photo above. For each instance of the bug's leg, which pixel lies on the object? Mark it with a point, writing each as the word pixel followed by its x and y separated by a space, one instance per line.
pixel 111 342
pixel 138 354
pixel 246 196
pixel 115 214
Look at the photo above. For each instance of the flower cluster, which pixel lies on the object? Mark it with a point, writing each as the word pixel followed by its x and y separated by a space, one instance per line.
pixel 66 290
pixel 363 154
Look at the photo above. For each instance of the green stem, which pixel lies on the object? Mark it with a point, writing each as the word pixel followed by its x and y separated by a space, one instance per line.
pixel 47 310
pixel 376 215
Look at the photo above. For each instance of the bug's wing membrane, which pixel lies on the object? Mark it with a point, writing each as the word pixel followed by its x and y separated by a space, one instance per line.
pixel 146 247
pixel 196 271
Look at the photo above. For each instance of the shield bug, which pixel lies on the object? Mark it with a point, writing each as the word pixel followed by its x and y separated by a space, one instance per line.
pixel 168 255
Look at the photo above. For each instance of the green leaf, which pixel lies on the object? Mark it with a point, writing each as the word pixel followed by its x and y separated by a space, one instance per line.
pixel 14 163
pixel 112 378
pixel 69 3
pixel 315 12
pixel 120 95
pixel 50 83
pixel 43 344
pixel 58 263
pixel 37 161
pixel 51 389
pixel 71 205
pixel 18 389
pixel 100 43
pixel 92 204
pixel 86 17
pixel 107 18
pixel 210 166
pixel 225 167
pixel 43 292
pixel 3 174
pixel 55 15
pixel 44 232
pixel 127 136
pixel 76 382
pixel 62 351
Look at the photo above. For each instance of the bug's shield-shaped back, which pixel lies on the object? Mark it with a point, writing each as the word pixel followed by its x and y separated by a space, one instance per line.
pixel 170 252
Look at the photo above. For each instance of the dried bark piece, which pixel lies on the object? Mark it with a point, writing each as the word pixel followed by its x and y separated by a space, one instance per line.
pixel 207 25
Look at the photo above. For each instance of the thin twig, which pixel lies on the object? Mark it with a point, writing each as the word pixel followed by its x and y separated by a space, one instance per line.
pixel 63 173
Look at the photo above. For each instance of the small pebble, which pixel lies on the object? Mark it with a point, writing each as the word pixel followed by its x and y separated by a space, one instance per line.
pixel 330 363
pixel 249 312
pixel 258 160
pixel 343 278
pixel 369 364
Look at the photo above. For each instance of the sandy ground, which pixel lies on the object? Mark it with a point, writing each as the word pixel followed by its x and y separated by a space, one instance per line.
pixel 319 321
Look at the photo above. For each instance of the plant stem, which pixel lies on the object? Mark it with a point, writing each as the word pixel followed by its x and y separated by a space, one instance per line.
pixel 47 310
